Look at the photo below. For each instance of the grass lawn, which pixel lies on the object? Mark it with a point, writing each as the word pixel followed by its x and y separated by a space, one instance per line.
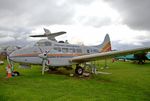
pixel 128 82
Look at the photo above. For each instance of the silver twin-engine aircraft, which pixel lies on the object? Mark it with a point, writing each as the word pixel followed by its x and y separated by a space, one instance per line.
pixel 53 54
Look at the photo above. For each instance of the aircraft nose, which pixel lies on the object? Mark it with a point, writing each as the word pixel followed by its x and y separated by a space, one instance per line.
pixel 12 56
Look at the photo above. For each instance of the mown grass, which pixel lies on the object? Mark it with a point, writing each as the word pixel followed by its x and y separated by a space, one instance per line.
pixel 128 82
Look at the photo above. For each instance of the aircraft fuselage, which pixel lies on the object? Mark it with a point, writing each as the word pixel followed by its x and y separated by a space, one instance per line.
pixel 58 53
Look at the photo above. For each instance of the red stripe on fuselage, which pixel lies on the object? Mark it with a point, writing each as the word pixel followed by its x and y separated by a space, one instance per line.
pixel 57 55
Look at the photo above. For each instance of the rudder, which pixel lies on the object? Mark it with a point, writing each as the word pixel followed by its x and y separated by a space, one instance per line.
pixel 106 45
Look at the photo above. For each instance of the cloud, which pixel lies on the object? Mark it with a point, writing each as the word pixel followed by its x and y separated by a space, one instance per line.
pixel 135 13
pixel 81 2
pixel 97 21
pixel 28 14
pixel 35 12
pixel 20 18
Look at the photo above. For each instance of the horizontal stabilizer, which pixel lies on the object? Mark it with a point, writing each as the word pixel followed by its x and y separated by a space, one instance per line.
pixel 49 35
pixel 37 35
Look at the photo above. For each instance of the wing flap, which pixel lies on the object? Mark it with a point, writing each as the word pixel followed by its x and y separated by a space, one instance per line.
pixel 104 55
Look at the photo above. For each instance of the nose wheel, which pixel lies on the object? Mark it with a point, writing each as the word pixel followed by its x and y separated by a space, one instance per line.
pixel 15 73
pixel 79 70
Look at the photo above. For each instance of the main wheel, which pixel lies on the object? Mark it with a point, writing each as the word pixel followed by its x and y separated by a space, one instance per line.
pixel 53 68
pixel 79 70
pixel 140 62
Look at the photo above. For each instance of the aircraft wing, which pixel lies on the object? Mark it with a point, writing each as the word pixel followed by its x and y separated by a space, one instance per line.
pixel 104 55
pixel 37 36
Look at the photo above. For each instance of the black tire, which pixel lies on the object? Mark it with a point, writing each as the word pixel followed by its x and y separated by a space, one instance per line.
pixel 53 68
pixel 79 70
pixel 140 62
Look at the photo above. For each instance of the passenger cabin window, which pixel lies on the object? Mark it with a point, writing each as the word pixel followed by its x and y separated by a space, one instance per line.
pixel 88 51
pixel 65 50
pixel 95 51
pixel 57 49
pixel 71 50
pixel 79 50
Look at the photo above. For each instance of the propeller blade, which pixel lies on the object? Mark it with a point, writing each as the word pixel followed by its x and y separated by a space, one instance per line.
pixel 10 63
pixel 44 56
pixel 40 50
pixel 8 60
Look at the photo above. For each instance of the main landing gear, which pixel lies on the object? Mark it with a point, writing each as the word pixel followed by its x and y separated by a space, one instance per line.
pixel 79 70
pixel 141 61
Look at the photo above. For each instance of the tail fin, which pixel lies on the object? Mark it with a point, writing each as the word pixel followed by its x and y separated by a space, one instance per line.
pixel 46 31
pixel 106 45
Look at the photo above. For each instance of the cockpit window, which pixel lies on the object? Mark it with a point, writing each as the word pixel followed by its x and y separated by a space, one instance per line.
pixel 29 45
pixel 48 43
pixel 44 43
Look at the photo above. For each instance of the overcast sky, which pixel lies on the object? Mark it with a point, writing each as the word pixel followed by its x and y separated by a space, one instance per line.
pixel 85 21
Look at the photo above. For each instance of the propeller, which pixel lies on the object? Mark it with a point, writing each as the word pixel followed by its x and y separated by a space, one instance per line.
pixel 10 62
pixel 44 56
pixel 9 50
